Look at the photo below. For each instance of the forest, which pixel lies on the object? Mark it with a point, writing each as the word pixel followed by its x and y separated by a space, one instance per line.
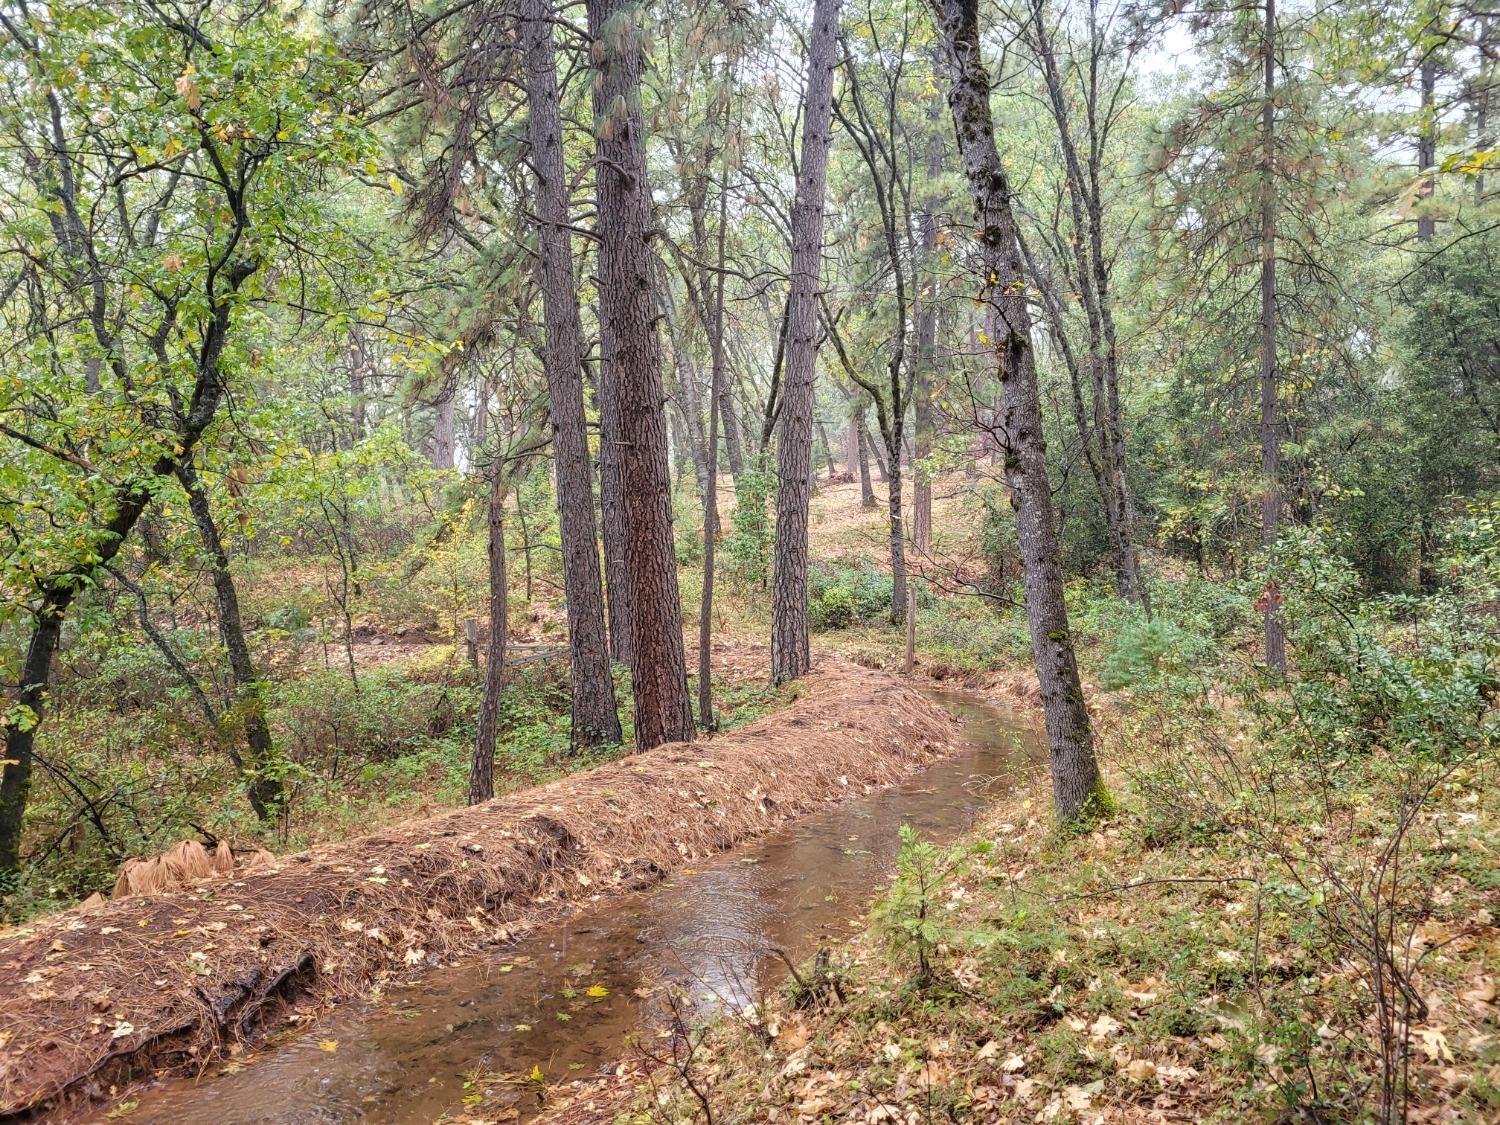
pixel 465 464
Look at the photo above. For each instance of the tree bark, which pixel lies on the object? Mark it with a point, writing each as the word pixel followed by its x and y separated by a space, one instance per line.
pixel 595 717
pixel 482 767
pixel 790 654
pixel 710 499
pixel 360 368
pixel 862 435
pixel 262 788
pixel 444 428
pixel 1270 420
pixel 1426 138
pixel 927 317
pixel 1077 789
pixel 882 469
pixel 612 505
pixel 663 711
pixel 827 449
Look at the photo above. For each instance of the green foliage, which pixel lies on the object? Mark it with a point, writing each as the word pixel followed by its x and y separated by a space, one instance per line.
pixel 1145 650
pixel 999 549
pixel 915 912
pixel 747 546
pixel 840 596
pixel 1409 677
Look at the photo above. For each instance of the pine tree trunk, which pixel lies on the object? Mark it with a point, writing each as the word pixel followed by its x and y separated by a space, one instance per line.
pixel 482 767
pixel 1270 420
pixel 927 319
pixel 612 504
pixel 790 654
pixel 882 468
pixel 596 719
pixel 1426 139
pixel 444 429
pixel 866 485
pixel 262 788
pixel 897 529
pixel 663 711
pixel 710 503
pixel 1076 786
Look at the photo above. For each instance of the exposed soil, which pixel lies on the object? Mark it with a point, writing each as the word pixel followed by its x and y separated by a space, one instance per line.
pixel 94 998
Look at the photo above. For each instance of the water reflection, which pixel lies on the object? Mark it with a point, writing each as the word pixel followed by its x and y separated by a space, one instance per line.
pixel 565 999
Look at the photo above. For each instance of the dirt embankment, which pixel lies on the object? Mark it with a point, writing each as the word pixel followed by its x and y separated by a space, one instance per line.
pixel 91 998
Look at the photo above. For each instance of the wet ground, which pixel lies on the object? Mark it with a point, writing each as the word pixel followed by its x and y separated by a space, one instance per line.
pixel 482 1033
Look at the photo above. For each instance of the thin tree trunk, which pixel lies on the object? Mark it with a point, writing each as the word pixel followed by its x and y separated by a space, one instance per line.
pixel 866 485
pixel 1270 421
pixel 663 710
pixel 1076 785
pixel 482 767
pixel 827 449
pixel 360 367
pixel 734 448
pixel 927 316
pixel 897 527
pixel 690 406
pixel 596 718
pixel 790 654
pixel 263 788
pixel 1426 138
pixel 882 469
pixel 710 500
pixel 444 429
pixel 1092 282
pixel 612 505
pixel 851 449
pixel 1481 94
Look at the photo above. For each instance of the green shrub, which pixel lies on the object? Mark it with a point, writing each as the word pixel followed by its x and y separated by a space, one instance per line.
pixel 747 546
pixel 1143 651
pixel 834 608
pixel 847 595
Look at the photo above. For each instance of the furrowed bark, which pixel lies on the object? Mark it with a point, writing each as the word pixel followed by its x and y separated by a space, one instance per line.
pixel 663 711
pixel 482 767
pixel 596 719
pixel 1076 786
pixel 790 655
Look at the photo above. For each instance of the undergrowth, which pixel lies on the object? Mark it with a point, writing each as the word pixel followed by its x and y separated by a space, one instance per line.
pixel 1291 915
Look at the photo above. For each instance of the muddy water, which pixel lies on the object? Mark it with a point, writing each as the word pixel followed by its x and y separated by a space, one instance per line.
pixel 566 999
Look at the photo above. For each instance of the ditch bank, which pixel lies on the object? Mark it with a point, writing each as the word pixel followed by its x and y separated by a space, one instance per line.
pixel 92 999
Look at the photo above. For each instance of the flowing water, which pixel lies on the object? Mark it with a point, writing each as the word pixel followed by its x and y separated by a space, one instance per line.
pixel 566 999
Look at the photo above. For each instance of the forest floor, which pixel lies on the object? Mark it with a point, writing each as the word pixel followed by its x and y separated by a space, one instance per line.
pixel 1166 966
pixel 1107 977
pixel 96 995
pixel 1278 959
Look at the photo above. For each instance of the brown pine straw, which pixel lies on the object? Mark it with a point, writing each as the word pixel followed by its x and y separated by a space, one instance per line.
pixel 148 984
